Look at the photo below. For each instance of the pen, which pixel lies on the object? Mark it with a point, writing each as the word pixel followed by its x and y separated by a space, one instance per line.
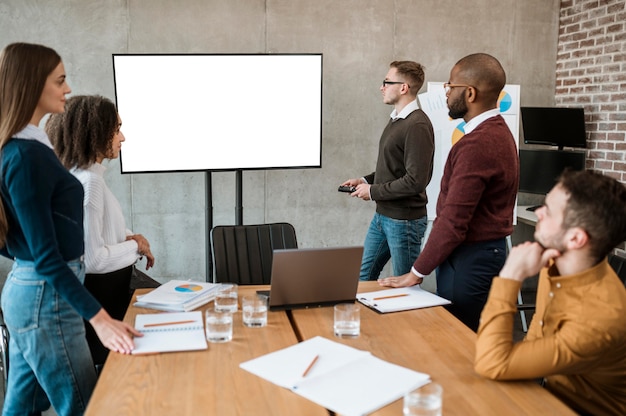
pixel 168 323
pixel 392 296
pixel 310 366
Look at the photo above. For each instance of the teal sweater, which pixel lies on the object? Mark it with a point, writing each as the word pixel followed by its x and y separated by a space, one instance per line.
pixel 44 208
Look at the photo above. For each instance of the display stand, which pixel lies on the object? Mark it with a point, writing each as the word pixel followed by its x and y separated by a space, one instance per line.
pixel 209 215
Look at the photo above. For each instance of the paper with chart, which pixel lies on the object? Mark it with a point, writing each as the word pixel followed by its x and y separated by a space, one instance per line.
pixel 400 299
pixel 167 332
pixel 178 296
pixel 342 378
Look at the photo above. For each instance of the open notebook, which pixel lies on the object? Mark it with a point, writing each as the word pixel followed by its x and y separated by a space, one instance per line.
pixel 343 379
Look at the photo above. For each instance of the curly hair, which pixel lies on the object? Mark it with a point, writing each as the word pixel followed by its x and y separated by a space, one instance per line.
pixel 84 131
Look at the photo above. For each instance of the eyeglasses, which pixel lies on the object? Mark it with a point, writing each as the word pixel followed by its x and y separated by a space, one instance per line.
pixel 448 86
pixel 385 83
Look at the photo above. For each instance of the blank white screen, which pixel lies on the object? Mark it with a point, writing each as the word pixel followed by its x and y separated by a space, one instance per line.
pixel 219 112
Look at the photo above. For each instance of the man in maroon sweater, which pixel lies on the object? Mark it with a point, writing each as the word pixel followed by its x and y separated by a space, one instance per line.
pixel 467 243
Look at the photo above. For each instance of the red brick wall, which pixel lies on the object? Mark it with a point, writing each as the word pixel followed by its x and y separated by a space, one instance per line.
pixel 591 72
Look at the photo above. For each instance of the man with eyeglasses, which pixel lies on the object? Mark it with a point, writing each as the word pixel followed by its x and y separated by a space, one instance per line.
pixel 467 244
pixel 403 170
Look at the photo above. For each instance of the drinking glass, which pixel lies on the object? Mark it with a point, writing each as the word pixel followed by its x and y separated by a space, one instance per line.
pixel 226 298
pixel 254 310
pixel 219 326
pixel 424 401
pixel 347 323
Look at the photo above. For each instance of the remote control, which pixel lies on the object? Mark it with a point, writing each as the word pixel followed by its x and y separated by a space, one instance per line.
pixel 349 189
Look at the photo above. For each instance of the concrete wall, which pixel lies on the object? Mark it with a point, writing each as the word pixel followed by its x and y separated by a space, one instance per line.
pixel 358 39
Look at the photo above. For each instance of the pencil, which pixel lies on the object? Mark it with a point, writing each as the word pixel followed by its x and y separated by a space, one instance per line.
pixel 310 366
pixel 168 323
pixel 392 296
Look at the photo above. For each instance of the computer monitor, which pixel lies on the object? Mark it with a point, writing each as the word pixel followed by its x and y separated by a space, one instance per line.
pixel 554 126
pixel 539 169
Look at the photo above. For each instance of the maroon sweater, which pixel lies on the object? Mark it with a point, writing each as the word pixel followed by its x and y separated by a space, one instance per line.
pixel 478 191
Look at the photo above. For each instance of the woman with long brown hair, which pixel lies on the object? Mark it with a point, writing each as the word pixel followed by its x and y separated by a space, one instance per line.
pixel 41 228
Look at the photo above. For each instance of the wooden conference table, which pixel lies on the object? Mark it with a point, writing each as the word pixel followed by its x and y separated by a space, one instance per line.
pixel 210 382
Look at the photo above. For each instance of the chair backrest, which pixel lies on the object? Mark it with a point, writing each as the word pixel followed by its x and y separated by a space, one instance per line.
pixel 4 353
pixel 242 254
pixel 619 265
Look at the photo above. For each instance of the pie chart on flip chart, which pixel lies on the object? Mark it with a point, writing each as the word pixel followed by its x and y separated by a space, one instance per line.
pixel 458 132
pixel 504 101
pixel 188 288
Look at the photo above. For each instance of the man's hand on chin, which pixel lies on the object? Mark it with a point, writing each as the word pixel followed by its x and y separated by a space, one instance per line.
pixel 405 280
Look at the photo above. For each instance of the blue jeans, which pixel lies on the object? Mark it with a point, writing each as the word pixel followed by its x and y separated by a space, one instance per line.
pixel 49 360
pixel 387 238
pixel 464 278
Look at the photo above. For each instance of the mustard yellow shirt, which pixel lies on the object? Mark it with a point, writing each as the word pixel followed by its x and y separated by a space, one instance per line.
pixel 576 340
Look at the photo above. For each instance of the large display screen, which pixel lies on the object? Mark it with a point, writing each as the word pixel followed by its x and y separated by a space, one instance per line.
pixel 216 112
pixel 539 169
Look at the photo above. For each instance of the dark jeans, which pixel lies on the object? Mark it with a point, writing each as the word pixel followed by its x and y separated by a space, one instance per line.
pixel 465 278
pixel 112 290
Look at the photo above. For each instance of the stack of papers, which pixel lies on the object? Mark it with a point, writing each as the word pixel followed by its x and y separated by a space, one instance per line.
pixel 400 299
pixel 178 296
pixel 340 378
pixel 166 332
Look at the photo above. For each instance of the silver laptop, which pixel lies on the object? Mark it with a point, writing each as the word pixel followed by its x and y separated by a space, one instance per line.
pixel 303 278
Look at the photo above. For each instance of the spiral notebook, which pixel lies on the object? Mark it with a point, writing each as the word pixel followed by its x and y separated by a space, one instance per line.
pixel 168 332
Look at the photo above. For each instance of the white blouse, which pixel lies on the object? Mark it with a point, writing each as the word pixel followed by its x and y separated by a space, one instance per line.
pixel 106 248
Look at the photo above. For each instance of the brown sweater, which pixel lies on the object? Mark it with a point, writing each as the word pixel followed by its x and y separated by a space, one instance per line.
pixel 404 167
pixel 478 191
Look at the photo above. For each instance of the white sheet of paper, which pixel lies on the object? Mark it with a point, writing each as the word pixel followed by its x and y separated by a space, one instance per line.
pixel 415 298
pixel 285 367
pixel 343 378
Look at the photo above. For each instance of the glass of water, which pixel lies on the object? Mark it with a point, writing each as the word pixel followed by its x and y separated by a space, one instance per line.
pixel 226 298
pixel 254 310
pixel 219 326
pixel 425 401
pixel 347 323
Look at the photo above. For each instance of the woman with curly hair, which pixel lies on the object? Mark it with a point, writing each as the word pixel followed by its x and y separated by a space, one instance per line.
pixel 41 228
pixel 83 136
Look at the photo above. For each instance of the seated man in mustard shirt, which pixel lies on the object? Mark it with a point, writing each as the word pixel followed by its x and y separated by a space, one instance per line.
pixel 577 338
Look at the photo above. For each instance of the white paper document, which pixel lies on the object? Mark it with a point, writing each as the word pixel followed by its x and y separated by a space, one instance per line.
pixel 401 299
pixel 342 379
pixel 178 296
pixel 167 332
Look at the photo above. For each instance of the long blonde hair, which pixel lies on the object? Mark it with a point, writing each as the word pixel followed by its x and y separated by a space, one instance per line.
pixel 24 69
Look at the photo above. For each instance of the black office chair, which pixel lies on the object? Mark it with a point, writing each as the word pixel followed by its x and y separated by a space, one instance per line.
pixel 4 352
pixel 242 254
pixel 618 263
